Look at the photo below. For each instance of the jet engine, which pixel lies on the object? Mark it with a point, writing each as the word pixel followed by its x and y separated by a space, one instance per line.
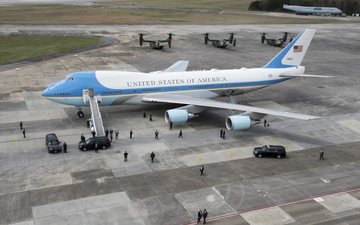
pixel 238 122
pixel 177 115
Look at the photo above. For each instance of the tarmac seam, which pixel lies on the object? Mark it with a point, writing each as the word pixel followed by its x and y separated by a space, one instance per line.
pixel 227 215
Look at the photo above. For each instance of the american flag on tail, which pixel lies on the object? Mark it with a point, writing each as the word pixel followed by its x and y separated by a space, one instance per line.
pixel 298 48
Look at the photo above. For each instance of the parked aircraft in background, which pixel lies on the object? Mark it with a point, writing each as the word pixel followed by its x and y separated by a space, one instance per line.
pixel 277 42
pixel 193 90
pixel 220 43
pixel 156 44
pixel 311 10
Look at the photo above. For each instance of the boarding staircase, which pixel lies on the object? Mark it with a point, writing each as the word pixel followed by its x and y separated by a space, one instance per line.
pixel 96 120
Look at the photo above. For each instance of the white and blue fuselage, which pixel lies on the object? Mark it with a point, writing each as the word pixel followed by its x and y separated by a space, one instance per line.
pixel 119 87
pixel 194 89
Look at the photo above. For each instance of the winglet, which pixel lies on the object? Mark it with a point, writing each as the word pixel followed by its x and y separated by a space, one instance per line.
pixel 293 54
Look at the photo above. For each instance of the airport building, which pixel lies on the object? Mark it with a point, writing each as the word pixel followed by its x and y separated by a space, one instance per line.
pixel 309 10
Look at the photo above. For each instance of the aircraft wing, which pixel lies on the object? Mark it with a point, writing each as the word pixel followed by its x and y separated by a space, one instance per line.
pixel 187 100
pixel 304 75
pixel 179 66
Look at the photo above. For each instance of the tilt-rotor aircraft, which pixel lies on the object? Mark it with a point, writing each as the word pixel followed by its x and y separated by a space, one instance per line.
pixel 194 91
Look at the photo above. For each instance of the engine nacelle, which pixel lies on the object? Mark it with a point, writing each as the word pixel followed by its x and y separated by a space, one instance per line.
pixel 177 116
pixel 238 122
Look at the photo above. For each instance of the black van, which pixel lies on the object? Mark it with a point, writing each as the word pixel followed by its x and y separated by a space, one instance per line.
pixel 52 143
pixel 103 142
pixel 270 151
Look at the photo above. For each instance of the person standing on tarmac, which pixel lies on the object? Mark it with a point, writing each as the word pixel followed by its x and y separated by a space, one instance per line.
pixel 321 155
pixel 96 148
pixel 205 214
pixel 199 214
pixel 65 147
pixel 180 134
pixel 125 156
pixel 152 156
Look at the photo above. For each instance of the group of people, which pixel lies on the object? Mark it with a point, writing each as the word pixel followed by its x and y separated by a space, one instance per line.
pixel 202 214
pixel 145 115
pixel 152 156
pixel 110 133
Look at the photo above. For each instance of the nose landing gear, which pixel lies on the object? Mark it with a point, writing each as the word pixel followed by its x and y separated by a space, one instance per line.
pixel 80 113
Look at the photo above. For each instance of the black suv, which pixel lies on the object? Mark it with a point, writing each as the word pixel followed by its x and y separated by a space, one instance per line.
pixel 103 142
pixel 52 143
pixel 270 151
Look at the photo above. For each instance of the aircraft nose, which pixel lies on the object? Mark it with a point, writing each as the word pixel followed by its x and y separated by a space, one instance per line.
pixel 49 91
pixel 45 93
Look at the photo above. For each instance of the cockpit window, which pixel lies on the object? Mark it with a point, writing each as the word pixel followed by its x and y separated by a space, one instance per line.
pixel 69 77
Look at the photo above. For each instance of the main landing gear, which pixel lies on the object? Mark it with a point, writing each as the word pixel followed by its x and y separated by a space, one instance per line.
pixel 80 113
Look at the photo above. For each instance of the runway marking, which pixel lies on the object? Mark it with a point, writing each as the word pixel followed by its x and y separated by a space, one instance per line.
pixel 319 199
pixel 350 124
pixel 238 213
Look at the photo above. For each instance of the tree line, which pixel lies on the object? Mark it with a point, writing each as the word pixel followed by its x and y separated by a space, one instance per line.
pixel 347 6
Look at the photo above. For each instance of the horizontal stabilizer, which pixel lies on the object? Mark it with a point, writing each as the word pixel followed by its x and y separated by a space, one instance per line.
pixel 304 75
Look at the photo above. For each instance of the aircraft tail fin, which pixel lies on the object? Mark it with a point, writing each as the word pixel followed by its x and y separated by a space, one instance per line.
pixel 293 54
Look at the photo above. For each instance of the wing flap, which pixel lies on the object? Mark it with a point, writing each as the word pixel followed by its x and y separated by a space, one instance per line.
pixel 187 100
pixel 304 75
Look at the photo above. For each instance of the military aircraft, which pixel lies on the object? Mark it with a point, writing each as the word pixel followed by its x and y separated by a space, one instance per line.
pixel 220 43
pixel 280 42
pixel 156 44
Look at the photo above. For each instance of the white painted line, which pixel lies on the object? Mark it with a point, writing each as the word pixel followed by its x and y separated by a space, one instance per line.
pixel 319 199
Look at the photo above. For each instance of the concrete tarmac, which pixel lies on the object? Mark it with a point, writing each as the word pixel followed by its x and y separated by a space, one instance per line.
pixel 89 188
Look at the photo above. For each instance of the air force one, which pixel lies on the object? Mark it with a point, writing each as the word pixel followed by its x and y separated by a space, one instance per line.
pixel 194 91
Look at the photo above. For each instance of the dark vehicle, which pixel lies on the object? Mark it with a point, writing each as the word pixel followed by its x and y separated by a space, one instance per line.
pixel 102 142
pixel 52 143
pixel 270 151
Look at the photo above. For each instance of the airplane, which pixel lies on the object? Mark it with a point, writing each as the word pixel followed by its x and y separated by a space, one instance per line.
pixel 158 44
pixel 193 91
pixel 275 42
pixel 220 43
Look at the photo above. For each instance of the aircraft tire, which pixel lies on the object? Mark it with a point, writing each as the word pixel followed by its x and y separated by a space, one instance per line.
pixel 80 114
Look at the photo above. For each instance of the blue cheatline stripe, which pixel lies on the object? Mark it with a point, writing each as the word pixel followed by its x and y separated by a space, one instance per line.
pixel 110 95
pixel 99 89
pixel 276 61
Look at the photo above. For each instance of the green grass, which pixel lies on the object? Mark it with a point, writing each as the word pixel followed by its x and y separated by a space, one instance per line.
pixel 17 48
pixel 210 5
pixel 65 14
